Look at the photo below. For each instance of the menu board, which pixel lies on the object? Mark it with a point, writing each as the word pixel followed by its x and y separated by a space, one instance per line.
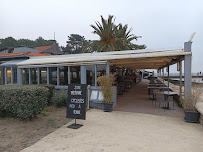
pixel 76 105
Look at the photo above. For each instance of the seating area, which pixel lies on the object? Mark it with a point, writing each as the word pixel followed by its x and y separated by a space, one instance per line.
pixel 160 94
pixel 124 84
pixel 136 100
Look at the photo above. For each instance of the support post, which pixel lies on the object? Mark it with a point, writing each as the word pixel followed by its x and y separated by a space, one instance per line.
pixel 69 75
pixel 83 79
pixel 187 72
pixel 107 68
pixel 168 76
pixel 38 76
pixel 19 76
pixel 180 65
pixel 160 73
pixel 5 75
pixel 30 76
pixel 48 77
pixel 163 74
pixel 11 75
pixel 95 75
pixel 58 76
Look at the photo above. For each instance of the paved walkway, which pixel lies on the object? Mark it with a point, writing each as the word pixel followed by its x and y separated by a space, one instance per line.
pixel 122 132
pixel 136 100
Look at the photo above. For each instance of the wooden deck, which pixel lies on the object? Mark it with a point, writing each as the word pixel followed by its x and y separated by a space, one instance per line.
pixel 136 100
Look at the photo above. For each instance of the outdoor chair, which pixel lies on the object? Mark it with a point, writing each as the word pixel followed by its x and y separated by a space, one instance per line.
pixel 150 93
pixel 160 98
pixel 154 93
pixel 169 100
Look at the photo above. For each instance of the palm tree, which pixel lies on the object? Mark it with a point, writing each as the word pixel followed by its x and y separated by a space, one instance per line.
pixel 124 38
pixel 106 31
pixel 113 37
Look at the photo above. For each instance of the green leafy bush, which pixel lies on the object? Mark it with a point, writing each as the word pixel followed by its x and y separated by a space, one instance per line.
pixel 60 99
pixel 23 102
pixel 51 92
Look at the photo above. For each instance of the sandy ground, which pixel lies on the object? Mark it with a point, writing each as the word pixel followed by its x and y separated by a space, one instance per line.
pixel 124 131
pixel 16 135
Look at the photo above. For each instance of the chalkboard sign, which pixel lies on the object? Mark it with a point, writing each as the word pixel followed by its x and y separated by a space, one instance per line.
pixel 76 105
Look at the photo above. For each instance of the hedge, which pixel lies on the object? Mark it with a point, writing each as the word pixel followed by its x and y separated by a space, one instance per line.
pixel 23 102
pixel 60 100
pixel 51 92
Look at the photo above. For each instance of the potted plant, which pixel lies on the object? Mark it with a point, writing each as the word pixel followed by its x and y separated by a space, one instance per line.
pixel 106 83
pixel 191 114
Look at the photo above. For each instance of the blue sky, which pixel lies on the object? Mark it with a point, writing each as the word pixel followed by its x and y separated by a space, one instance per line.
pixel 161 23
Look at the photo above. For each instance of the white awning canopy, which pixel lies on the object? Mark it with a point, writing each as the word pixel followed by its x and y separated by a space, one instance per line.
pixel 12 62
pixel 139 59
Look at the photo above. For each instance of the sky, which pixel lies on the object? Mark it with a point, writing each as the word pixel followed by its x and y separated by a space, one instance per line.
pixel 161 23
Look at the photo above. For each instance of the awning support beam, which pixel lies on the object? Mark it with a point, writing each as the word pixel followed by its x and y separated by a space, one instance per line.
pixel 187 72
pixel 180 66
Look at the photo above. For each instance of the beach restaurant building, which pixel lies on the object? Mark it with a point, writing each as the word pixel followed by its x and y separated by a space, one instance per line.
pixel 61 70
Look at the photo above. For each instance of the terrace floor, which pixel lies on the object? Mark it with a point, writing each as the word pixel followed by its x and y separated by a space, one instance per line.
pixel 136 100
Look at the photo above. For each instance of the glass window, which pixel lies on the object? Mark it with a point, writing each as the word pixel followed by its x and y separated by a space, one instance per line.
pixel 14 75
pixel 101 70
pixel 8 71
pixel 43 75
pixel 63 75
pixel 34 75
pixel 53 75
pixel 25 76
pixel 90 75
pixel 75 74
pixel 0 76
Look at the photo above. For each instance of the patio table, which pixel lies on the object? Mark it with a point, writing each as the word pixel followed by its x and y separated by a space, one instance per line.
pixel 156 87
pixel 167 94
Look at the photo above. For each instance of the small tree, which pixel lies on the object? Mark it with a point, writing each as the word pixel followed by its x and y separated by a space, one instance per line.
pixel 106 83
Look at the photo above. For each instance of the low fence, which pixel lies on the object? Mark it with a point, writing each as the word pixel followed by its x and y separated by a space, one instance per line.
pixel 94 95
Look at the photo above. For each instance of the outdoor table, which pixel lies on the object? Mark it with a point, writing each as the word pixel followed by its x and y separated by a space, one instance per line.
pixel 167 94
pixel 156 87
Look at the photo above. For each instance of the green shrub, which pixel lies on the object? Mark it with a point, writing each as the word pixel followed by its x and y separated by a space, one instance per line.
pixel 23 102
pixel 51 93
pixel 60 99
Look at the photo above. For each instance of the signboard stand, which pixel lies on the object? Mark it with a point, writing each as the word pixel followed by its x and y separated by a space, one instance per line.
pixel 76 104
pixel 75 126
